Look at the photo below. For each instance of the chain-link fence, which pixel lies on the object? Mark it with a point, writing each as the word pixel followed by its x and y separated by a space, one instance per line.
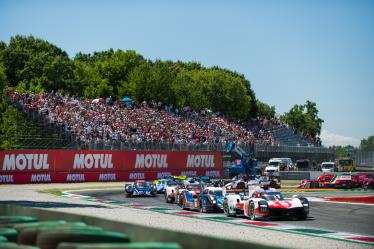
pixel 364 159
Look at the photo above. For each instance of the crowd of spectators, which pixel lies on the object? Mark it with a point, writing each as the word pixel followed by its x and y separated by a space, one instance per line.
pixel 99 120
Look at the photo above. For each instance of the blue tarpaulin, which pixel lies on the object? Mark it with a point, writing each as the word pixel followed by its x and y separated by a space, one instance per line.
pixel 126 99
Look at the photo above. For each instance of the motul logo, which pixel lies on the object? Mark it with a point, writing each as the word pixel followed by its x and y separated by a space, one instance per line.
pixel 151 161
pixel 188 173
pixel 75 178
pixel 25 161
pixel 107 177
pixel 6 178
pixel 90 161
pixel 213 173
pixel 200 161
pixel 163 174
pixel 41 178
pixel 136 176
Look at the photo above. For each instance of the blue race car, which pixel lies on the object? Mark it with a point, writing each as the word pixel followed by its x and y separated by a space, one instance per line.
pixel 163 183
pixel 140 188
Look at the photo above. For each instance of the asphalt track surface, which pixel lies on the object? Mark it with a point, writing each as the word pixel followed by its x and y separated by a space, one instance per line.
pixel 350 218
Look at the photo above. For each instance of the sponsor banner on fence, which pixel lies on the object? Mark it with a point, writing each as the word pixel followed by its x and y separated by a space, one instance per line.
pixel 53 177
pixel 36 166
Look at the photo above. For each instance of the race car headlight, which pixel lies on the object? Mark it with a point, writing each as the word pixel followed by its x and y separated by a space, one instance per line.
pixel 214 201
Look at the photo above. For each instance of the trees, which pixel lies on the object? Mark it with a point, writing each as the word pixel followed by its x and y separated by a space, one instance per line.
pixel 35 65
pixel 3 78
pixel 36 62
pixel 367 144
pixel 265 110
pixel 304 118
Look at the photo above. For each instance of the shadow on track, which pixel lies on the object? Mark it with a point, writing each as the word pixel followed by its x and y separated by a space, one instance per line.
pixel 52 204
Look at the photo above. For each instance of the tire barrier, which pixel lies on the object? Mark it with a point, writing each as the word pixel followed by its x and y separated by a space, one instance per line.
pixel 3 239
pixel 9 233
pixel 140 236
pixel 29 233
pixel 144 245
pixel 9 220
pixel 51 239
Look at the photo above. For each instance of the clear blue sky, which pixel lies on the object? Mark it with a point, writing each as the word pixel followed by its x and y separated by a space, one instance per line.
pixel 291 51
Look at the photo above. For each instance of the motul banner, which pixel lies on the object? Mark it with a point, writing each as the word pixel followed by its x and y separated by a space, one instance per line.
pixel 35 166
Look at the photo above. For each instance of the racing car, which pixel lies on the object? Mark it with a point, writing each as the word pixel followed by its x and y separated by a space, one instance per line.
pixel 188 198
pixel 163 183
pixel 211 199
pixel 140 188
pixel 234 198
pixel 368 183
pixel 330 181
pixel 269 203
pixel 172 190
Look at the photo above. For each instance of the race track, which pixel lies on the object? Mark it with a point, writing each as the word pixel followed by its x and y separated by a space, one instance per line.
pixel 340 217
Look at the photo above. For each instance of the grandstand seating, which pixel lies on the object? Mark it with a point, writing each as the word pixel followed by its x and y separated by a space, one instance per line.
pixel 287 137
pixel 60 123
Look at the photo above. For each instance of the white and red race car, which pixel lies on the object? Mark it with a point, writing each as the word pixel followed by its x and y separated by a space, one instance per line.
pixel 271 203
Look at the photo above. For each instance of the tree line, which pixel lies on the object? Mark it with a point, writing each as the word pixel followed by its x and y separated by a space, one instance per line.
pixel 30 64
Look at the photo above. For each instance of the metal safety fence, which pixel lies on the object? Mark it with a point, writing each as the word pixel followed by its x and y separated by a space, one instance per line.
pixel 364 158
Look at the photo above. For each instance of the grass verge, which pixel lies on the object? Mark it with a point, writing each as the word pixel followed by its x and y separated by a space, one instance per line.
pixel 286 183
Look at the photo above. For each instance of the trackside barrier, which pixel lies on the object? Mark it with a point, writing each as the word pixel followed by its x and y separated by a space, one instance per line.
pixel 311 175
pixel 294 175
pixel 58 166
pixel 137 233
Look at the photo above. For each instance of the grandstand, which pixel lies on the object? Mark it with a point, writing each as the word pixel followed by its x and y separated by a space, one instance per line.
pixel 287 137
pixel 66 122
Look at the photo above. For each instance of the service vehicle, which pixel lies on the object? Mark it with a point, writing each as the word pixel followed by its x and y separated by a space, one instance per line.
pixel 273 167
pixel 345 164
pixel 328 167
pixel 140 188
pixel 269 203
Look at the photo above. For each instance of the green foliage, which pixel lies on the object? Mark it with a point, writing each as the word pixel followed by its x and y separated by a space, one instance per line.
pixel 37 63
pixel 344 151
pixel 304 118
pixel 265 110
pixel 3 78
pixel 9 127
pixel 367 144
